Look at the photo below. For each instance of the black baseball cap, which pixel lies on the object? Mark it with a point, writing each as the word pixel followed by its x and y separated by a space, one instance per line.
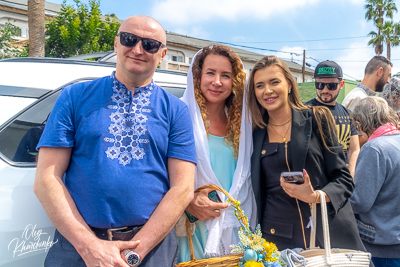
pixel 328 69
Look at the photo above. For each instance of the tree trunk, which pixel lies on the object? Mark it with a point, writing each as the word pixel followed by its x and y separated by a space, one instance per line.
pixel 379 49
pixel 36 27
pixel 388 50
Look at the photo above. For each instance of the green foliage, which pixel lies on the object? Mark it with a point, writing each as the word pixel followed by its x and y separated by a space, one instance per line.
pixel 80 30
pixel 376 11
pixel 6 34
pixel 307 91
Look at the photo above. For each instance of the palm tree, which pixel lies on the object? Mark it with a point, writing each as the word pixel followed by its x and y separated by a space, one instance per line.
pixel 36 27
pixel 389 35
pixel 376 10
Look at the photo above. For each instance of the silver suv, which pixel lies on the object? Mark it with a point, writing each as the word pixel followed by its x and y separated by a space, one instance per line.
pixel 28 89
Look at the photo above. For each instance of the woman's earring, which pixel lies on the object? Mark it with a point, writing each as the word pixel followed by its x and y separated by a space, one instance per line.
pixel 290 91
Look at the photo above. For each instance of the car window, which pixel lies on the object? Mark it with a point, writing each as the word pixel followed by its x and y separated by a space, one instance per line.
pixel 19 138
pixel 176 91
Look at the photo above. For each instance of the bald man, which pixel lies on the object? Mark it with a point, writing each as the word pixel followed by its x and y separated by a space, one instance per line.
pixel 116 161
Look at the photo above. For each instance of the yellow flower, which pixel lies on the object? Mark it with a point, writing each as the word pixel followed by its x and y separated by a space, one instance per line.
pixel 270 248
pixel 266 245
pixel 253 264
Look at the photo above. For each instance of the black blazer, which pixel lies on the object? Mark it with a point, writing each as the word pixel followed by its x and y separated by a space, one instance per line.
pixel 327 171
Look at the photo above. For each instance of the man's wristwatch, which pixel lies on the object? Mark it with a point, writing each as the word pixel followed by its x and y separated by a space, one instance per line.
pixel 132 258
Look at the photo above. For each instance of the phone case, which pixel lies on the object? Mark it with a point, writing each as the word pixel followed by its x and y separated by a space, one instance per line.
pixel 213 196
pixel 293 177
pixel 191 218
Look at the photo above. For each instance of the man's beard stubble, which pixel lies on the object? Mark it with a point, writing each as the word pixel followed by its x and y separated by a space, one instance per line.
pixel 331 100
pixel 379 85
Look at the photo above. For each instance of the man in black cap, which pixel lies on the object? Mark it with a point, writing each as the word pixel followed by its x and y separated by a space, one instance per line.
pixel 328 82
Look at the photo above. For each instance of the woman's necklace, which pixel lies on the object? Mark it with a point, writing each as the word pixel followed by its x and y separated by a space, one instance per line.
pixel 281 123
pixel 284 136
pixel 287 164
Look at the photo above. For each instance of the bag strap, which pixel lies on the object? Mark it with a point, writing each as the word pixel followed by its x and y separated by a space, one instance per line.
pixel 325 227
pixel 314 225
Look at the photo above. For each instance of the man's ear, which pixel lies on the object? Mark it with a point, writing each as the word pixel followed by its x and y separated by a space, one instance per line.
pixel 379 72
pixel 163 54
pixel 115 44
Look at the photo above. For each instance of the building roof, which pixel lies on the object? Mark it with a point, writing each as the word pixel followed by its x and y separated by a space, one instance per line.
pixel 21 7
pixel 196 44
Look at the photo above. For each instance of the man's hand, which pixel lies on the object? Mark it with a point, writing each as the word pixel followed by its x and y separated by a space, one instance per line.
pixel 107 253
pixel 203 208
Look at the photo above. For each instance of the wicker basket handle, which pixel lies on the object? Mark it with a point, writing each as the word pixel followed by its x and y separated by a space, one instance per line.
pixel 210 186
pixel 325 227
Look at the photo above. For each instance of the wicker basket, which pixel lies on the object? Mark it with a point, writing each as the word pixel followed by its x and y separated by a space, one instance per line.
pixel 224 261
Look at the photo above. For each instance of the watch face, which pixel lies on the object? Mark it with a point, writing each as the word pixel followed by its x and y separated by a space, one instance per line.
pixel 133 259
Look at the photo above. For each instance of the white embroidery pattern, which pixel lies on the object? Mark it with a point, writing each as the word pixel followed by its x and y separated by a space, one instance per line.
pixel 128 123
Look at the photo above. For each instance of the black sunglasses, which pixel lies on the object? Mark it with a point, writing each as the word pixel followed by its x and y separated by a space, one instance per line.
pixel 130 40
pixel 321 86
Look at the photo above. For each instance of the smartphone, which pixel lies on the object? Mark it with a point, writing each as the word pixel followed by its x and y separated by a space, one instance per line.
pixel 213 196
pixel 293 177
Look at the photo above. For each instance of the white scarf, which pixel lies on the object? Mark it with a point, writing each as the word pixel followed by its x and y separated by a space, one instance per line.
pixel 220 230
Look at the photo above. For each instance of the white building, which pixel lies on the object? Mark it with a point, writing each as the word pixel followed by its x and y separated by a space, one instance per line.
pixel 16 12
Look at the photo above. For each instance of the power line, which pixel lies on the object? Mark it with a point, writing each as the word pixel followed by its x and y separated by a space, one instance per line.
pixel 258 48
pixel 350 48
pixel 231 44
pixel 300 41
pixel 270 50
pixel 360 61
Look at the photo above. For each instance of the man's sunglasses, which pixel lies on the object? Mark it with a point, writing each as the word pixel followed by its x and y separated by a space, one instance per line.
pixel 130 40
pixel 330 86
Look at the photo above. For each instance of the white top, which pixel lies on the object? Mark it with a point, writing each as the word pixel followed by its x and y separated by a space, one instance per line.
pixel 221 228
pixel 352 98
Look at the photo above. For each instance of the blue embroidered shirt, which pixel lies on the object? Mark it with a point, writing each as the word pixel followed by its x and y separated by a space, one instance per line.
pixel 118 170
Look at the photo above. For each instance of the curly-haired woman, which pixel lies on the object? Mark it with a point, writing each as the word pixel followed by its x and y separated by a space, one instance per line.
pixel 222 132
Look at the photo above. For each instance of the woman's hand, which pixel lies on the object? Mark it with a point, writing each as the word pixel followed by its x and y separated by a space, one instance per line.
pixel 203 208
pixel 303 192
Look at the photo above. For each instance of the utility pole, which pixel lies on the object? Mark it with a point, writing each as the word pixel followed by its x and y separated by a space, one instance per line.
pixel 304 65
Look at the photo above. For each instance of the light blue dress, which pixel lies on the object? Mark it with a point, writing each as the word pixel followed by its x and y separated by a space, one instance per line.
pixel 223 164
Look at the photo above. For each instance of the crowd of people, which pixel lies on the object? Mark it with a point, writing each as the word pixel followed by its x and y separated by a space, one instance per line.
pixel 120 158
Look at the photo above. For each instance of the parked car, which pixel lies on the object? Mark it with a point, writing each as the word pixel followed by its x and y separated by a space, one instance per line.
pixel 28 89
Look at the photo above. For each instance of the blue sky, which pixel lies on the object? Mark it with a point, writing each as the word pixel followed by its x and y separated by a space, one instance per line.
pixel 281 25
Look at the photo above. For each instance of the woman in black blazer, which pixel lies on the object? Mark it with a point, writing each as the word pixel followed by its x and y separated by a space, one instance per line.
pixel 289 136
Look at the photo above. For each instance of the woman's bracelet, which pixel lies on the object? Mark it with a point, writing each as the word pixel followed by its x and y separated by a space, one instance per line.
pixel 316 199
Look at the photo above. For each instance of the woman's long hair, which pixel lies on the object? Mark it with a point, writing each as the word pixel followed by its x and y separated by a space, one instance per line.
pixel 234 102
pixel 322 115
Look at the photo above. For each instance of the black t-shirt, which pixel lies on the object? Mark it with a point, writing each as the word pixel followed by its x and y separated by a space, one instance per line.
pixel 345 126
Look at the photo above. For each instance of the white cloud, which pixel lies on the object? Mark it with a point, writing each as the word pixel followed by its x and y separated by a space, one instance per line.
pixel 353 61
pixel 295 53
pixel 178 12
pixel 357 2
pixel 238 38
pixel 196 31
